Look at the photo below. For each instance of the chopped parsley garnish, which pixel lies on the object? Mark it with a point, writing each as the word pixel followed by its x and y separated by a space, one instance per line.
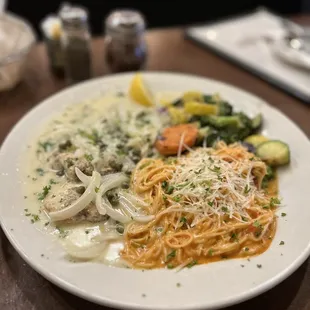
pixel 40 171
pixel 177 198
pixel 96 189
pixel 164 184
pixel 210 203
pixel 183 220
pixel 258 233
pixel 170 266
pixel 46 146
pixel 52 181
pixel 92 137
pixel 247 189
pixel 159 229
pixel 274 201
pixel 171 160
pixel 191 264
pixel 281 243
pixel 180 186
pixel 120 152
pixel 244 219
pixel 62 233
pixel 283 214
pixel 165 197
pixel 225 209
pixel 210 252
pixel 46 223
pixel 234 237
pixel 246 249
pixel 35 218
pixel 89 157
pixel 44 192
pixel 171 254
pixel 257 224
pixel 266 207
pixel 170 189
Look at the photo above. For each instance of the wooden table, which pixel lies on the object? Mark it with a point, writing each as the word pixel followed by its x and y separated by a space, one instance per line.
pixel 21 288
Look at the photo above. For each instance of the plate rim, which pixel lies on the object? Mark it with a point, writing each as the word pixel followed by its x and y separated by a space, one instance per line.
pixel 75 290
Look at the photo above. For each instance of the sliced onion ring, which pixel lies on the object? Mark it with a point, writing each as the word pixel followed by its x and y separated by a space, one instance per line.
pixel 81 203
pixel 115 215
pixel 108 182
pixel 85 179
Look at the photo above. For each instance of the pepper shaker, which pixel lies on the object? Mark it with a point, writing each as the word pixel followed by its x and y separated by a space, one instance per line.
pixel 76 43
pixel 51 28
pixel 125 45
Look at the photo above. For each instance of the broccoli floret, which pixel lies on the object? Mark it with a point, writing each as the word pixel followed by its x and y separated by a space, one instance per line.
pixel 226 121
pixel 224 108
pixel 210 99
pixel 229 128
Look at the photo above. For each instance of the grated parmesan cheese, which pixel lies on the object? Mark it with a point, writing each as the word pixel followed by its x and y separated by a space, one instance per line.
pixel 206 185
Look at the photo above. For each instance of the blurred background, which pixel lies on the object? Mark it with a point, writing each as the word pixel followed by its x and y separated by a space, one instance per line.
pixel 266 37
pixel 157 13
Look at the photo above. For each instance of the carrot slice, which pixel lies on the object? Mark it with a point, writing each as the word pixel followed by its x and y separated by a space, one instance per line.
pixel 169 141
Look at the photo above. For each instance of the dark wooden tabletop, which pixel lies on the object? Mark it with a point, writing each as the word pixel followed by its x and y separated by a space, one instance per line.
pixel 21 288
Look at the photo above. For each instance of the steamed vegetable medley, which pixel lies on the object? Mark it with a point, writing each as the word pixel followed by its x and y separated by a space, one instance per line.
pixel 208 118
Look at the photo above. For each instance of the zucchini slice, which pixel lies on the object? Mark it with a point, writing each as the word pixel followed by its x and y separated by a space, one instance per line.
pixel 257 121
pixel 274 152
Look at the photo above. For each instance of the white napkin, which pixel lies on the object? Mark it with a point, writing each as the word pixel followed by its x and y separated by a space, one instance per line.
pixel 249 40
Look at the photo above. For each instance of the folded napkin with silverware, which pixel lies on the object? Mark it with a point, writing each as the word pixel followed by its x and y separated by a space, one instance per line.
pixel 265 44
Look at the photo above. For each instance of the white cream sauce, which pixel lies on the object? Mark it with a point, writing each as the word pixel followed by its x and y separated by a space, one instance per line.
pixel 38 173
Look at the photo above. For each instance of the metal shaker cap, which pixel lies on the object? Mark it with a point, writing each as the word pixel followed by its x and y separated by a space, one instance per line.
pixel 125 21
pixel 73 16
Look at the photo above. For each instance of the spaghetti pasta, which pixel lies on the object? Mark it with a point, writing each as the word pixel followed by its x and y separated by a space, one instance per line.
pixel 208 205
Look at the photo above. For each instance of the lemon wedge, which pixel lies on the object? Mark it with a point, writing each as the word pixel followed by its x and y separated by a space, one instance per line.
pixel 139 92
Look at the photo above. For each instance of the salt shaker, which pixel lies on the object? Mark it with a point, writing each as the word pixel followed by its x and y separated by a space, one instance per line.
pixel 125 46
pixel 76 43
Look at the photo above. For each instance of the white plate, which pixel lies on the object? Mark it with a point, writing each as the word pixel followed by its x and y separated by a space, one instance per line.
pixel 202 287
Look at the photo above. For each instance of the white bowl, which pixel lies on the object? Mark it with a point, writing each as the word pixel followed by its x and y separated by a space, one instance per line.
pixel 16 40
